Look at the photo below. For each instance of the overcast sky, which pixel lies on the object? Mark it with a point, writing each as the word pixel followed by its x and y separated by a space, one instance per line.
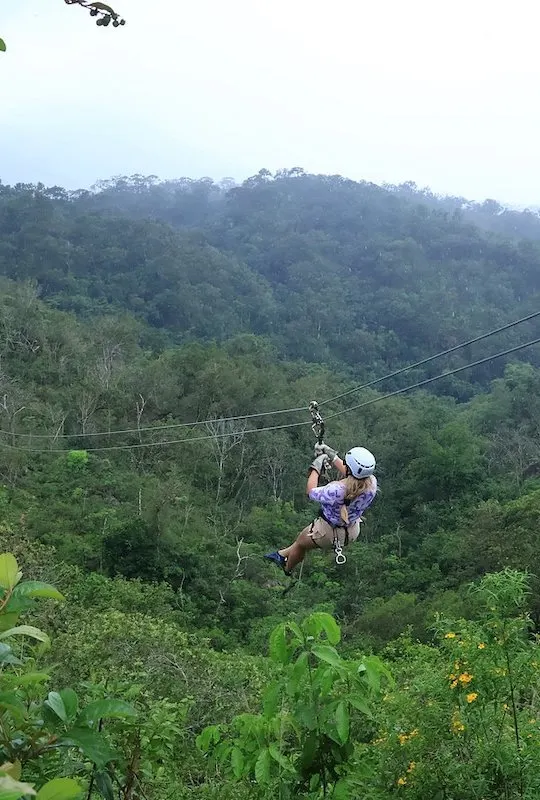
pixel 444 93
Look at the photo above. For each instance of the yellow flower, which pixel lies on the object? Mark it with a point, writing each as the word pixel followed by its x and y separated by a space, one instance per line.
pixel 404 737
pixel 506 706
pixel 457 724
pixel 411 766
pixel 450 635
pixel 465 678
pixel 401 781
pixel 481 646
pixel 472 697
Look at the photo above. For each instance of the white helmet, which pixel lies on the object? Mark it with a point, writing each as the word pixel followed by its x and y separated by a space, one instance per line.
pixel 360 462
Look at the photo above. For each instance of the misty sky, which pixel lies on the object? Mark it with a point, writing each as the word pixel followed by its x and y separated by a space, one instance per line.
pixel 442 93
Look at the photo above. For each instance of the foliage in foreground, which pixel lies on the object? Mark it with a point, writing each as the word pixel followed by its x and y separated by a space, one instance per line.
pixel 462 720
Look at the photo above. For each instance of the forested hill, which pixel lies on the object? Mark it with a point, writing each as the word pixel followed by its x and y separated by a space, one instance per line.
pixel 330 270
pixel 136 323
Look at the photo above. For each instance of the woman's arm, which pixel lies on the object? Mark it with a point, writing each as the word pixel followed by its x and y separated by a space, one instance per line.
pixel 312 481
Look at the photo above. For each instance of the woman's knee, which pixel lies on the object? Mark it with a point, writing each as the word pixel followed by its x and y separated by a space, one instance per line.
pixel 305 541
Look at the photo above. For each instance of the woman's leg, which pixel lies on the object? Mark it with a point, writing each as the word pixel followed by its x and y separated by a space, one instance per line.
pixel 296 552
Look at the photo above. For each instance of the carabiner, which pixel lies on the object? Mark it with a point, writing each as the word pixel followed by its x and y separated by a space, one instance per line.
pixel 341 558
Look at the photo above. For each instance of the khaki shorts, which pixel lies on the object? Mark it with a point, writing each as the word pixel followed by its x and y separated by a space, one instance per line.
pixel 323 534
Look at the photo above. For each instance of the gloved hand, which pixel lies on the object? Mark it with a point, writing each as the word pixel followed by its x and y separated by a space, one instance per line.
pixel 326 450
pixel 319 463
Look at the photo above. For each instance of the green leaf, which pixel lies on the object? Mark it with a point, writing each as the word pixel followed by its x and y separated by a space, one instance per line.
pixel 342 791
pixel 109 708
pixel 32 589
pixel 342 722
pixel 9 569
pixel 309 751
pixel 278 644
pixel 262 767
pixel 11 789
pixel 360 705
pixel 14 770
pixel 9 701
pixel 300 668
pixel 26 630
pixel 104 785
pixel 209 735
pixel 92 745
pixel 271 699
pixel 374 671
pixel 71 702
pixel 29 679
pixel 60 789
pixel 237 762
pixel 320 621
pixel 2 46
pixel 9 619
pixel 326 653
pixel 279 757
pixel 56 704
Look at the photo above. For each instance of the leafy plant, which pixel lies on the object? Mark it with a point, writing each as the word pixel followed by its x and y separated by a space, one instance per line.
pixel 39 730
pixel 303 741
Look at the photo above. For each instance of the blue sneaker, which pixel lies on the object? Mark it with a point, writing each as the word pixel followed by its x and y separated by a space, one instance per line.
pixel 278 559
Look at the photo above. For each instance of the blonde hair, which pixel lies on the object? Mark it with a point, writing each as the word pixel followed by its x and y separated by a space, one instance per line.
pixel 354 487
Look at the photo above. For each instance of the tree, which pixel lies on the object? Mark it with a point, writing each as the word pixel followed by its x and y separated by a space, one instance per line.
pixel 104 15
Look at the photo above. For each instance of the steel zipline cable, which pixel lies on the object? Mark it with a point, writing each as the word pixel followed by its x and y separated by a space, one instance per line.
pixel 190 440
pixel 296 410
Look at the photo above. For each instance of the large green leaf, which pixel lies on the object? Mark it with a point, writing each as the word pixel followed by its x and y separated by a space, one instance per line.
pixel 9 701
pixel 33 589
pixel 342 722
pixel 321 621
pixel 2 46
pixel 13 769
pixel 237 762
pixel 71 702
pixel 104 785
pixel 271 698
pixel 60 789
pixel 28 679
pixel 9 619
pixel 105 709
pixel 262 767
pixel 9 570
pixel 361 705
pixel 11 789
pixel 56 704
pixel 26 630
pixel 279 757
pixel 278 644
pixel 325 652
pixel 209 735
pixel 92 744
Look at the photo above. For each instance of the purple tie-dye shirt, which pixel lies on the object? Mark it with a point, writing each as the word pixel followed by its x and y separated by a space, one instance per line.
pixel 331 498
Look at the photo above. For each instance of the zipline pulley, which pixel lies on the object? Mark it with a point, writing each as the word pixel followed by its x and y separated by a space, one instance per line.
pixel 318 422
pixel 318 429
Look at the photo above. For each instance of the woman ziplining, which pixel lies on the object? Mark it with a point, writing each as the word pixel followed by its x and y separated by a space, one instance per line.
pixel 342 504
